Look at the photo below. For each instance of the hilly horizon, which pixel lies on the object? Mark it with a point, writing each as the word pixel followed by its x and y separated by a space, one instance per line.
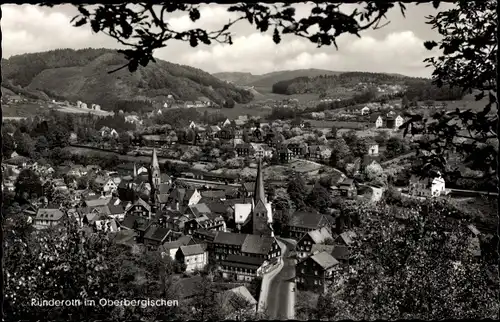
pixel 83 75
pixel 271 78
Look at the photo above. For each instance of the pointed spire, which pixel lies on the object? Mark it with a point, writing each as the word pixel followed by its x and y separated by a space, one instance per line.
pixel 259 193
pixel 154 160
pixel 135 171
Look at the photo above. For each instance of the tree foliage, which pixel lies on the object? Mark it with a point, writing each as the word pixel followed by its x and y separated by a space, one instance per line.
pixel 468 63
pixel 413 262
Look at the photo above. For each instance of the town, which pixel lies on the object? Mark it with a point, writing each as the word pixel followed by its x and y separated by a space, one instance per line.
pixel 252 203
pixel 250 161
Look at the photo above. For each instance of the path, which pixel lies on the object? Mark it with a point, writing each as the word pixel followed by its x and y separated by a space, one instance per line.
pixel 281 297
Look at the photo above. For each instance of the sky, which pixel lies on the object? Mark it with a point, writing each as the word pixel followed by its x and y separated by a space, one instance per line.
pixel 395 48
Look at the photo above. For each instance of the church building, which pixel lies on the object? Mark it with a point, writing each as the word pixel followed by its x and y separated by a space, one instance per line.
pixel 255 217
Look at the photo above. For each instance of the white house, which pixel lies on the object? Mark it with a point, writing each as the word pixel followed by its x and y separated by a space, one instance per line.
pixel 84 106
pixel 377 119
pixel 110 186
pixel 226 123
pixel 192 125
pixel 142 169
pixel 427 187
pixel 79 103
pixel 398 121
pixel 195 257
pixel 365 110
pixel 372 148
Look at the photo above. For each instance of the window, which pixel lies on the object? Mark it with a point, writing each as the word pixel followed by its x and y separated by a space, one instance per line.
pixel 315 272
pixel 302 271
pixel 315 282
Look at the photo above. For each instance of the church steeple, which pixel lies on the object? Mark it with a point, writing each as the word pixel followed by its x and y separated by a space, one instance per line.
pixel 155 172
pixel 154 161
pixel 259 192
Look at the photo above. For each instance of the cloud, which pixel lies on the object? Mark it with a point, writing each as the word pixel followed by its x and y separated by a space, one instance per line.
pixel 399 52
pixel 398 49
pixel 28 28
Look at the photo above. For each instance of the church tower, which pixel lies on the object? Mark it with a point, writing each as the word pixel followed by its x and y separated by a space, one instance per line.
pixel 155 171
pixel 154 181
pixel 261 210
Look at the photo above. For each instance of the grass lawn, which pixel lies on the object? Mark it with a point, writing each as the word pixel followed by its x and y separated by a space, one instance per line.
pixel 22 110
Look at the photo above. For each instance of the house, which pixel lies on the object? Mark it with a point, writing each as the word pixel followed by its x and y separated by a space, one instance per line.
pixel 316 272
pixel 303 222
pixel 347 188
pixel 181 197
pixel 372 148
pixel 298 149
pixel 244 150
pixel 427 187
pixel 376 120
pixel 245 256
pixel 140 208
pixel 284 154
pixel 171 248
pixel 110 186
pixel 262 151
pixel 155 235
pixel 195 257
pixel 47 217
pixel 365 110
pixel 317 236
pixel 394 121
pixel 346 238
pixel 227 122
pixel 318 152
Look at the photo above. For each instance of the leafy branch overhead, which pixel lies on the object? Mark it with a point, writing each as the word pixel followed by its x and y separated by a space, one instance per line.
pixel 468 62
pixel 142 27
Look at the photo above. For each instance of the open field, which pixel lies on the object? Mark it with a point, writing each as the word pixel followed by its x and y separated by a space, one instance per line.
pixel 121 157
pixel 266 94
pixel 22 110
pixel 239 109
pixel 71 109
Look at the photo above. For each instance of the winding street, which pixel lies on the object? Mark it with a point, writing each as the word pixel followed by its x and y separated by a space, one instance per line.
pixel 281 297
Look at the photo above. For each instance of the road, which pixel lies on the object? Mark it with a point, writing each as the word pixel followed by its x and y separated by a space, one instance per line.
pixel 281 299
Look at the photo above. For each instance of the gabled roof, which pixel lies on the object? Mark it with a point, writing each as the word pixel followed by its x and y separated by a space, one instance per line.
pixel 309 220
pixel 229 238
pixel 347 237
pixel 49 214
pixel 243 261
pixel 143 203
pixel 97 202
pixel 190 250
pixel 325 260
pixel 157 233
pixel 199 209
pixel 318 248
pixel 256 244
pixel 320 235
pixel 125 237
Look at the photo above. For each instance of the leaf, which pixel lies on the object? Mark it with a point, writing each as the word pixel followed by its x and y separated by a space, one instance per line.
pixel 133 65
pixel 193 41
pixel 430 44
pixel 194 14
pixel 83 11
pixel 95 26
pixel 80 22
pixel 276 36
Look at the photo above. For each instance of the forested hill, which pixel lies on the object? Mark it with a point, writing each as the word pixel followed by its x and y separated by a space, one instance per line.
pixel 83 75
pixel 418 88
